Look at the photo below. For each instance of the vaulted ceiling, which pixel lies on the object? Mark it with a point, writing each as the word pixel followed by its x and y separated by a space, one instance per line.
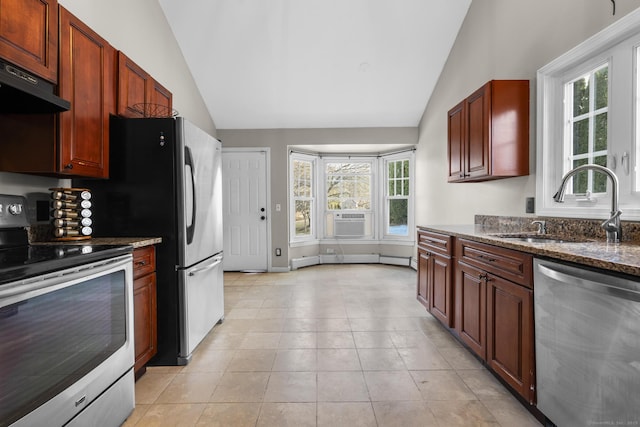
pixel 270 64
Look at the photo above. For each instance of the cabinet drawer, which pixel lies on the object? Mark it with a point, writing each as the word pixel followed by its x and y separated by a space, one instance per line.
pixel 144 261
pixel 435 242
pixel 508 264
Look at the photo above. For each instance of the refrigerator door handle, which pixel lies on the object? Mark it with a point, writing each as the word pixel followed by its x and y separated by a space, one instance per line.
pixel 188 161
pixel 216 262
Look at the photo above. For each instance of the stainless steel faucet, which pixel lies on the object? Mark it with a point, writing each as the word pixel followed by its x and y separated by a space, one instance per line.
pixel 612 225
pixel 542 226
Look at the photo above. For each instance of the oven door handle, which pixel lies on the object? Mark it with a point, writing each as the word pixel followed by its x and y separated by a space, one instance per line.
pixel 216 261
pixel 12 293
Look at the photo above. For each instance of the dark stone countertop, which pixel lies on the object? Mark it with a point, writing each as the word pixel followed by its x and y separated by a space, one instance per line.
pixel 136 242
pixel 593 252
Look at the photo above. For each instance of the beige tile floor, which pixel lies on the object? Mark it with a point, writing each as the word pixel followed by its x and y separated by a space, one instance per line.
pixel 329 345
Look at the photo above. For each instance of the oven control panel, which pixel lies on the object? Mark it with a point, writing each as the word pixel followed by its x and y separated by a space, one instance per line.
pixel 12 211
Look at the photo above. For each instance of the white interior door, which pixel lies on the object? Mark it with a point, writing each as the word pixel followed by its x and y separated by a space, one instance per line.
pixel 245 205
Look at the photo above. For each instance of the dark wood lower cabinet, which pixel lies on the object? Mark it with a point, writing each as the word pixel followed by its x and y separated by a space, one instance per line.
pixel 484 294
pixel 471 308
pixel 144 308
pixel 423 278
pixel 440 303
pixel 510 351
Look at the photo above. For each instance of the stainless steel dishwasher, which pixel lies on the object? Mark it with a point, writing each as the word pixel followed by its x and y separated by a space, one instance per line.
pixel 587 327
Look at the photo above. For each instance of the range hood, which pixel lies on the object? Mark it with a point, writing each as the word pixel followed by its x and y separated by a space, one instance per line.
pixel 24 93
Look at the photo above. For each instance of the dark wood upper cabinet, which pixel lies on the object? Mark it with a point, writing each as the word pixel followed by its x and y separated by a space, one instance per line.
pixel 29 36
pixel 74 143
pixel 488 133
pixel 132 87
pixel 87 79
pixel 139 95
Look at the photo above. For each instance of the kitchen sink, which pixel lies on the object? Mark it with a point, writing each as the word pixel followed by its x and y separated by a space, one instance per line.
pixel 537 238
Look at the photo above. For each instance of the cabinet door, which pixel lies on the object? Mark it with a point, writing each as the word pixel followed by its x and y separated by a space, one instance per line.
pixel 161 98
pixel 510 346
pixel 456 138
pixel 86 78
pixel 471 308
pixel 133 86
pixel 478 112
pixel 29 35
pixel 441 292
pixel 144 319
pixel 424 271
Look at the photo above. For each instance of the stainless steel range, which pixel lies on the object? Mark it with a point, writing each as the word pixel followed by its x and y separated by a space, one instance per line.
pixel 66 329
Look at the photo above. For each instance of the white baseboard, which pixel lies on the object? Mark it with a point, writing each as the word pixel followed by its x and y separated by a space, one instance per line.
pixel 297 263
pixel 395 260
pixel 350 259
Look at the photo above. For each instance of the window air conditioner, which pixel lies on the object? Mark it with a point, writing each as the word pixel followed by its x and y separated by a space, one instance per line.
pixel 348 224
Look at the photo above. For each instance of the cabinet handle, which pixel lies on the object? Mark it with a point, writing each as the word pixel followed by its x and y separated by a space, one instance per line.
pixel 141 263
pixel 482 276
pixel 68 166
pixel 486 258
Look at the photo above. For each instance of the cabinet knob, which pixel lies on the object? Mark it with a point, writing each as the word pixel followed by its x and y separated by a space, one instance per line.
pixel 68 166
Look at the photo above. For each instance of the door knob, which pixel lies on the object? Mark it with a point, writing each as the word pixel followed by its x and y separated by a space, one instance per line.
pixel 263 217
pixel 261 209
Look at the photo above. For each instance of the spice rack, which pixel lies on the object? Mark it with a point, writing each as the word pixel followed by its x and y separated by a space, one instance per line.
pixel 71 213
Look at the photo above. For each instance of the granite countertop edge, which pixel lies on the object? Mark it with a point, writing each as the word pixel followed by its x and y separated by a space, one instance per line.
pixel 617 257
pixel 135 242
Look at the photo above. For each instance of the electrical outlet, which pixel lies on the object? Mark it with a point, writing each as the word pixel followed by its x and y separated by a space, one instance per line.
pixel 278 252
pixel 530 205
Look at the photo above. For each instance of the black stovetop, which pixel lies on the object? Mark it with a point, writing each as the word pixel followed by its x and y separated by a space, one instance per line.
pixel 22 262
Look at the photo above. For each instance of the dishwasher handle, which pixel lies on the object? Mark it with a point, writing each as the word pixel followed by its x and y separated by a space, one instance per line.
pixel 585 282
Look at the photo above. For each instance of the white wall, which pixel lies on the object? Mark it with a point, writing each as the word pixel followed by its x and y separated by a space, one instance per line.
pixel 499 39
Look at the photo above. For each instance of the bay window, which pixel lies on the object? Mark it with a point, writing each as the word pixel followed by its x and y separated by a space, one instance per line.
pixel 359 197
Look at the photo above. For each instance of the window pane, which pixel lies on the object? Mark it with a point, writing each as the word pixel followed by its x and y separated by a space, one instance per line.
pixel 600 179
pixel 602 87
pixel 392 188
pixel 601 132
pixel 580 180
pixel 398 169
pixel 581 137
pixel 303 217
pixel 580 96
pixel 301 178
pixel 406 187
pixel 392 170
pixel 349 185
pixel 398 214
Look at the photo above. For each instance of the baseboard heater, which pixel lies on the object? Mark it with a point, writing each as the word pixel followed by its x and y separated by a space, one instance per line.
pixel 297 263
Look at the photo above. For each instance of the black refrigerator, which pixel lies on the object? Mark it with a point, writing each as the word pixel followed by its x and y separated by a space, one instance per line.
pixel 165 181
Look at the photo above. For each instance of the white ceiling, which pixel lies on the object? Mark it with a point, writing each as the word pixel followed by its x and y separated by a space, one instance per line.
pixel 269 64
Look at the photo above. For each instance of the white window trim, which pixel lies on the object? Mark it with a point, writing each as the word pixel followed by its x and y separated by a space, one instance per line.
pixel 322 195
pixel 377 201
pixel 383 196
pixel 313 237
pixel 550 88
